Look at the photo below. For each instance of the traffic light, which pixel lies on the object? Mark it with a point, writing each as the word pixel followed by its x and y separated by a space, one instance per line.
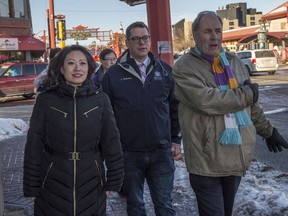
pixel 61 30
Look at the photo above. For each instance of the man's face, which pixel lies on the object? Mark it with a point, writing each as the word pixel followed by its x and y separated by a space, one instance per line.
pixel 139 43
pixel 208 38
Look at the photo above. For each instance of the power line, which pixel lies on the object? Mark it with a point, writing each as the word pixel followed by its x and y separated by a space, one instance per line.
pixel 98 11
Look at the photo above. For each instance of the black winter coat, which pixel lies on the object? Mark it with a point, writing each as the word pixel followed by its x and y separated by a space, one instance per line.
pixel 98 76
pixel 72 132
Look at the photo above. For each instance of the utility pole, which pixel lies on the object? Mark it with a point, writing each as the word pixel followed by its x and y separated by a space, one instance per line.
pixel 48 24
pixel 161 33
pixel 51 25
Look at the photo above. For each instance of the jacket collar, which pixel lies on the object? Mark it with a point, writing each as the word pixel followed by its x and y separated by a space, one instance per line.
pixel 64 89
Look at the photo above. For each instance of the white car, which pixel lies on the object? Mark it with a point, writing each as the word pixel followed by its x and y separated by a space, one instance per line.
pixel 259 60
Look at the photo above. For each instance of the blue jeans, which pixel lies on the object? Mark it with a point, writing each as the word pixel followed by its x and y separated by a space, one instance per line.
pixel 215 195
pixel 157 167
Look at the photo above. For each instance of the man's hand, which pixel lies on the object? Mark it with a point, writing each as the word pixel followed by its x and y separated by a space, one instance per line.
pixel 176 149
pixel 275 142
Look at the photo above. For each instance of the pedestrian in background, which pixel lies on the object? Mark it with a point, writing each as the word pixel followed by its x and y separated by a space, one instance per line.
pixel 141 90
pixel 72 133
pixel 107 59
pixel 39 81
pixel 219 117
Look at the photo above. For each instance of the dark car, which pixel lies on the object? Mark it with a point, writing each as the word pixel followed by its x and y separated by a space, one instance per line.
pixel 17 79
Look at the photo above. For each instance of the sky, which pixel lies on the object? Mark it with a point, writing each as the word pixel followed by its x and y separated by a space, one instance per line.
pixel 262 192
pixel 108 14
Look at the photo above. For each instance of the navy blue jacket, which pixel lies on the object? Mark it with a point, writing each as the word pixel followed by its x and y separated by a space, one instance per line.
pixel 146 112
pixel 98 76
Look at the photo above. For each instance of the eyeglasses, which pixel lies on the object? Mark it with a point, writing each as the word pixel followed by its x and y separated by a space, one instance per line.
pixel 136 39
pixel 110 59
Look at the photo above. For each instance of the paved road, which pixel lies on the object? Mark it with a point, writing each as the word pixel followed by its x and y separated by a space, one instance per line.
pixel 274 100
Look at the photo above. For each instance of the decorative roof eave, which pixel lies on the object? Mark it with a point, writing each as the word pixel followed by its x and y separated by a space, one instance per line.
pixel 134 2
pixel 279 12
pixel 278 15
pixel 237 34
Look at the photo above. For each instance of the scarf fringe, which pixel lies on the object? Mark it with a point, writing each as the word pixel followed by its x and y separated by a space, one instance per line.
pixel 242 119
pixel 230 136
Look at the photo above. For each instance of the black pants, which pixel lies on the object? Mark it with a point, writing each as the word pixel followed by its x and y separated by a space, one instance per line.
pixel 215 195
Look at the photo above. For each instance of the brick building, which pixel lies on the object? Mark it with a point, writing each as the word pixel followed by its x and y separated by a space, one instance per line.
pixel 17 42
pixel 274 26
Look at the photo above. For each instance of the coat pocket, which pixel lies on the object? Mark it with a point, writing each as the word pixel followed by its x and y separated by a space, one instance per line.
pixel 209 140
pixel 47 173
pixel 99 170
pixel 90 111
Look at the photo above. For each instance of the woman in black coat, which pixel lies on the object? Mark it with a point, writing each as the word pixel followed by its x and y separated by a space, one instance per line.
pixel 72 132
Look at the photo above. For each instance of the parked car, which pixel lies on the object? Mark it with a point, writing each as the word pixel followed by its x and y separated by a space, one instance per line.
pixel 18 78
pixel 260 60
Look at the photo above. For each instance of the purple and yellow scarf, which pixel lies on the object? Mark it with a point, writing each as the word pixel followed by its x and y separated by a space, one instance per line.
pixel 225 80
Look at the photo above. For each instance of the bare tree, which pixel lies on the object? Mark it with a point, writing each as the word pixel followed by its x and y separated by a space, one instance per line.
pixel 182 41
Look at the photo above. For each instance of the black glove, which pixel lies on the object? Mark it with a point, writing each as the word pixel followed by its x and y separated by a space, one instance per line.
pixel 275 142
pixel 254 87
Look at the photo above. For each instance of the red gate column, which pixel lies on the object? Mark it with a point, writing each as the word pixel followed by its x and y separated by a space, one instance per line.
pixel 159 22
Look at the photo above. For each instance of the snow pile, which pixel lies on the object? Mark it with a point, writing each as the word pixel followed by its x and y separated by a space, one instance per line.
pixel 12 127
pixel 263 191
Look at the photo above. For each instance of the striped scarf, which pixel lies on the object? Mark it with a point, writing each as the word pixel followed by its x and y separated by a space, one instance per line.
pixel 225 80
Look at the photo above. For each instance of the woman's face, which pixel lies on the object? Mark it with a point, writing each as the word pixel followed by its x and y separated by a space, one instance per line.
pixel 75 68
pixel 208 37
pixel 109 60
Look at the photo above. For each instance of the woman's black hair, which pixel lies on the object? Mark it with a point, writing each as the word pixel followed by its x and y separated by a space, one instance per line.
pixel 54 71
pixel 105 52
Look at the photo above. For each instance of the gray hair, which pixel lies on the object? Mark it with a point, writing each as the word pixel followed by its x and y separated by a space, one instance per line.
pixel 135 25
pixel 196 22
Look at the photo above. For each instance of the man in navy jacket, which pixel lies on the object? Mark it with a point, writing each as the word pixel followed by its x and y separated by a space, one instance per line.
pixel 141 90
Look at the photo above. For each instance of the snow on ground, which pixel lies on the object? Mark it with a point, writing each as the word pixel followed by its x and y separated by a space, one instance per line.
pixel 262 192
pixel 11 127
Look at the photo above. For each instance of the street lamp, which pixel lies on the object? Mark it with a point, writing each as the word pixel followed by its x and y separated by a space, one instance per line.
pixel 262 35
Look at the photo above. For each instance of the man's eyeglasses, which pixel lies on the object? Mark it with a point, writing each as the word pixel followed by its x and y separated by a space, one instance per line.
pixel 144 38
pixel 110 59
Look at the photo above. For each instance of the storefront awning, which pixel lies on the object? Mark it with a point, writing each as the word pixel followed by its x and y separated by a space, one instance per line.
pixel 25 43
pixel 277 35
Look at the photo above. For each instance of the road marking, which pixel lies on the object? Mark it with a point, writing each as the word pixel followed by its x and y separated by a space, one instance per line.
pixel 268 88
pixel 276 111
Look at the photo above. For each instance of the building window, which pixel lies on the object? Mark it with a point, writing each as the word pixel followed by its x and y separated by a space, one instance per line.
pixel 19 8
pixel 252 23
pixel 252 18
pixel 4 8
pixel 231 23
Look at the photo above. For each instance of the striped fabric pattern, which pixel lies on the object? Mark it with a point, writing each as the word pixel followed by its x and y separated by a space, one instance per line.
pixel 225 80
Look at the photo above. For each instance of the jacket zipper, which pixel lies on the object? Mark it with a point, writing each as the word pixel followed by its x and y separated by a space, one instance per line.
pixel 65 114
pixel 99 170
pixel 74 148
pixel 48 170
pixel 86 113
